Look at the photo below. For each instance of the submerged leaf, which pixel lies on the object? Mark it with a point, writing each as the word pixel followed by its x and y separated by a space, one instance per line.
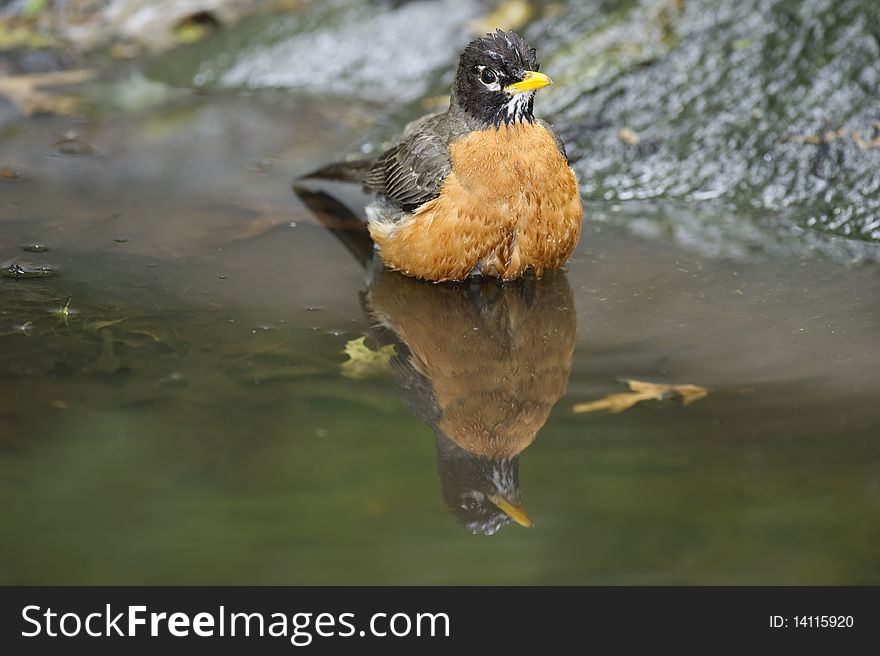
pixel 145 333
pixel 642 391
pixel 97 326
pixel 63 312
pixel 363 361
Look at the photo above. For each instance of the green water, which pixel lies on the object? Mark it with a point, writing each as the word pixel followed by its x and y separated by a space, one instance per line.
pixel 209 436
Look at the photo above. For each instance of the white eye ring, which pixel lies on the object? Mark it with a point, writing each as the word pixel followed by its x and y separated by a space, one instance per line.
pixel 489 78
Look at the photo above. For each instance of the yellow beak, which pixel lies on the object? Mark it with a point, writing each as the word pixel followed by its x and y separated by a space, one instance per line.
pixel 531 80
pixel 516 513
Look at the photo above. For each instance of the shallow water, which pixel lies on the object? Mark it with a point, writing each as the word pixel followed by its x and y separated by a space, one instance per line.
pixel 187 417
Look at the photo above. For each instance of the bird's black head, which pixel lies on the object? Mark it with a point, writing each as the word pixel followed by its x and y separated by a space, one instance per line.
pixel 482 493
pixel 496 79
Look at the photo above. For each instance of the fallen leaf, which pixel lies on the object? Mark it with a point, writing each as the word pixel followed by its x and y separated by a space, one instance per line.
pixel 191 31
pixel 10 174
pixel 651 389
pixel 642 391
pixel 832 135
pixel 612 403
pixel 97 326
pixel 864 144
pixel 146 333
pixel 15 36
pixel 63 312
pixel 629 136
pixel 363 361
pixel 690 393
pixel 24 91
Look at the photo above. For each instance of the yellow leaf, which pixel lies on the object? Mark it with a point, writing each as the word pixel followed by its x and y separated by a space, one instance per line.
pixel 97 326
pixel 641 391
pixel 364 362
pixel 24 91
pixel 63 312
pixel 190 32
pixel 14 37
pixel 651 389
pixel 629 136
pixel 690 393
pixel 613 403
pixel 146 333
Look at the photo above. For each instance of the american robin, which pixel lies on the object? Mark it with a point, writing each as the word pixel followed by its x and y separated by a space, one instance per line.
pixel 482 188
pixel 482 363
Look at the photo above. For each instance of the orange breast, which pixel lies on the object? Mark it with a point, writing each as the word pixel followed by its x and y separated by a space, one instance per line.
pixel 511 202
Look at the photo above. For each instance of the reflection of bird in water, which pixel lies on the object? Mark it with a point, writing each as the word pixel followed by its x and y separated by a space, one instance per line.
pixel 483 366
pixel 481 362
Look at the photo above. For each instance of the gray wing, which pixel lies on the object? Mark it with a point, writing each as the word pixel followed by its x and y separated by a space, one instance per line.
pixel 556 138
pixel 411 172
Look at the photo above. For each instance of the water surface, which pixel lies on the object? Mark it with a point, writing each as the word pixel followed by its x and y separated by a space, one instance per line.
pixel 174 406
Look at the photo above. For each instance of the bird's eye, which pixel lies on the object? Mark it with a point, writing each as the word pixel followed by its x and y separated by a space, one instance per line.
pixel 487 76
pixel 471 500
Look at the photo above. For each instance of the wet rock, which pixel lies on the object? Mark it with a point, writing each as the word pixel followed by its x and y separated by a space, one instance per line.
pixel 768 108
pixel 71 144
pixel 19 269
pixel 768 104
pixel 347 48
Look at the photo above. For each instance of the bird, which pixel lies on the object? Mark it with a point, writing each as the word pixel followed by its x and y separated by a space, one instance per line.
pixel 482 189
pixel 481 362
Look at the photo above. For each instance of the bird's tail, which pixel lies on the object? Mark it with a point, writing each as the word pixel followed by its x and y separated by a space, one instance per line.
pixel 346 171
